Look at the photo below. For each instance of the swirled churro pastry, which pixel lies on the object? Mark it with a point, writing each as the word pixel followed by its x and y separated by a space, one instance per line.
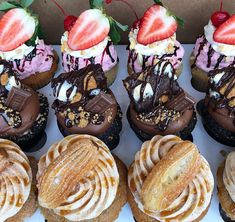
pixel 226 187
pixel 169 181
pixel 78 178
pixel 15 180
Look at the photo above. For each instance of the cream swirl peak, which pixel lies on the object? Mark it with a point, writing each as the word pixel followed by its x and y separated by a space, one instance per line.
pixel 78 178
pixel 194 199
pixel 229 175
pixel 16 179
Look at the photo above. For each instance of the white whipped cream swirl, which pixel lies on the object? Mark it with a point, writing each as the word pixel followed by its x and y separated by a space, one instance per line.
pixel 224 49
pixel 86 53
pixel 229 175
pixel 191 203
pixel 15 179
pixel 96 191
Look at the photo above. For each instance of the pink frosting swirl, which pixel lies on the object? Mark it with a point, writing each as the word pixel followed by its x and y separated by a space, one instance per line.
pixel 108 59
pixel 207 58
pixel 40 61
pixel 175 58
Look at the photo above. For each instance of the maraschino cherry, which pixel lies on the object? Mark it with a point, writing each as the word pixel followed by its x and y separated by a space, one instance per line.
pixel 69 20
pixel 219 17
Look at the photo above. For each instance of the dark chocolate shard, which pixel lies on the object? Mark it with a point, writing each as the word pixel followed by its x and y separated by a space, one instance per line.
pixel 17 98
pixel 181 102
pixel 100 103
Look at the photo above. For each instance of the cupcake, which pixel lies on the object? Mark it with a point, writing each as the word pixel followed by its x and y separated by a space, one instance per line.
pixel 23 112
pixel 215 49
pixel 18 185
pixel 218 107
pixel 89 39
pixel 80 180
pixel 22 45
pixel 153 38
pixel 158 104
pixel 225 181
pixel 169 181
pixel 85 105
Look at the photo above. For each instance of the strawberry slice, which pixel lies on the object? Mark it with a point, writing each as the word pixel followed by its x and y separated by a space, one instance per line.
pixel 225 33
pixel 16 27
pixel 156 25
pixel 91 28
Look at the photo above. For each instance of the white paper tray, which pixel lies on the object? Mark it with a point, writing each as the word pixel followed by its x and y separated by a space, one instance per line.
pixel 130 144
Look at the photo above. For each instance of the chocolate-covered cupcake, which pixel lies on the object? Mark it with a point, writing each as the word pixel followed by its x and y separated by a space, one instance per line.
pixel 85 105
pixel 158 104
pixel 23 112
pixel 218 108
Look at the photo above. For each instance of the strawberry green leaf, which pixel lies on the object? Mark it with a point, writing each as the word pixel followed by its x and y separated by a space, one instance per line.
pixel 17 4
pixel 114 33
pixel 179 20
pixel 26 3
pixel 122 27
pixel 4 6
pixel 158 2
pixel 98 4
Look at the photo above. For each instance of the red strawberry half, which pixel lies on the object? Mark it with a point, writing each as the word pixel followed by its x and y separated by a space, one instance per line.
pixel 16 27
pixel 225 33
pixel 156 25
pixel 91 28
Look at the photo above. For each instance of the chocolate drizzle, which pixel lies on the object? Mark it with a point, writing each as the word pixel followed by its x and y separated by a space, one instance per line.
pixel 167 100
pixel 87 85
pixel 73 64
pixel 225 88
pixel 133 57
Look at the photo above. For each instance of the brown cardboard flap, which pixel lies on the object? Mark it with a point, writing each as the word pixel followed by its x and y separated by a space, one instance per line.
pixel 196 14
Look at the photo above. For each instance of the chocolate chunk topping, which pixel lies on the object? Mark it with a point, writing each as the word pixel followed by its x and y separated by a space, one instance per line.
pixel 17 98
pixel 181 102
pixel 100 103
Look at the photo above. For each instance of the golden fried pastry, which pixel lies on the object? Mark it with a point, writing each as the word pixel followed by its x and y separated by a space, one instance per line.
pixel 78 180
pixel 226 188
pixel 18 199
pixel 169 181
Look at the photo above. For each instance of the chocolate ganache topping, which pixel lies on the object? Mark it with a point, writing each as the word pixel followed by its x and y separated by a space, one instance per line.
pixel 157 99
pixel 84 104
pixel 16 100
pixel 221 96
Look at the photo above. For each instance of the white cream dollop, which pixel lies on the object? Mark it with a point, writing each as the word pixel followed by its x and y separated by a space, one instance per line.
pixel 224 49
pixel 96 191
pixel 62 91
pixel 86 53
pixel 148 92
pixel 229 175
pixel 168 69
pixel 12 82
pixel 156 48
pixel 191 203
pixel 18 53
pixel 15 179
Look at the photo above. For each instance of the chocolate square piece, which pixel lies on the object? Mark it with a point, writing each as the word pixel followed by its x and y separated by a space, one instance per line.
pixel 17 98
pixel 100 103
pixel 181 102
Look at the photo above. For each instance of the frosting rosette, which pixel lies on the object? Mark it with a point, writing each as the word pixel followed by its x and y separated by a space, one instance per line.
pixel 229 175
pixel 196 195
pixel 77 178
pixel 15 179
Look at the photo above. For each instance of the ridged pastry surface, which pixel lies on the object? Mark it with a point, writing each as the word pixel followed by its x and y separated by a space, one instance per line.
pixel 85 162
pixel 15 179
pixel 194 199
